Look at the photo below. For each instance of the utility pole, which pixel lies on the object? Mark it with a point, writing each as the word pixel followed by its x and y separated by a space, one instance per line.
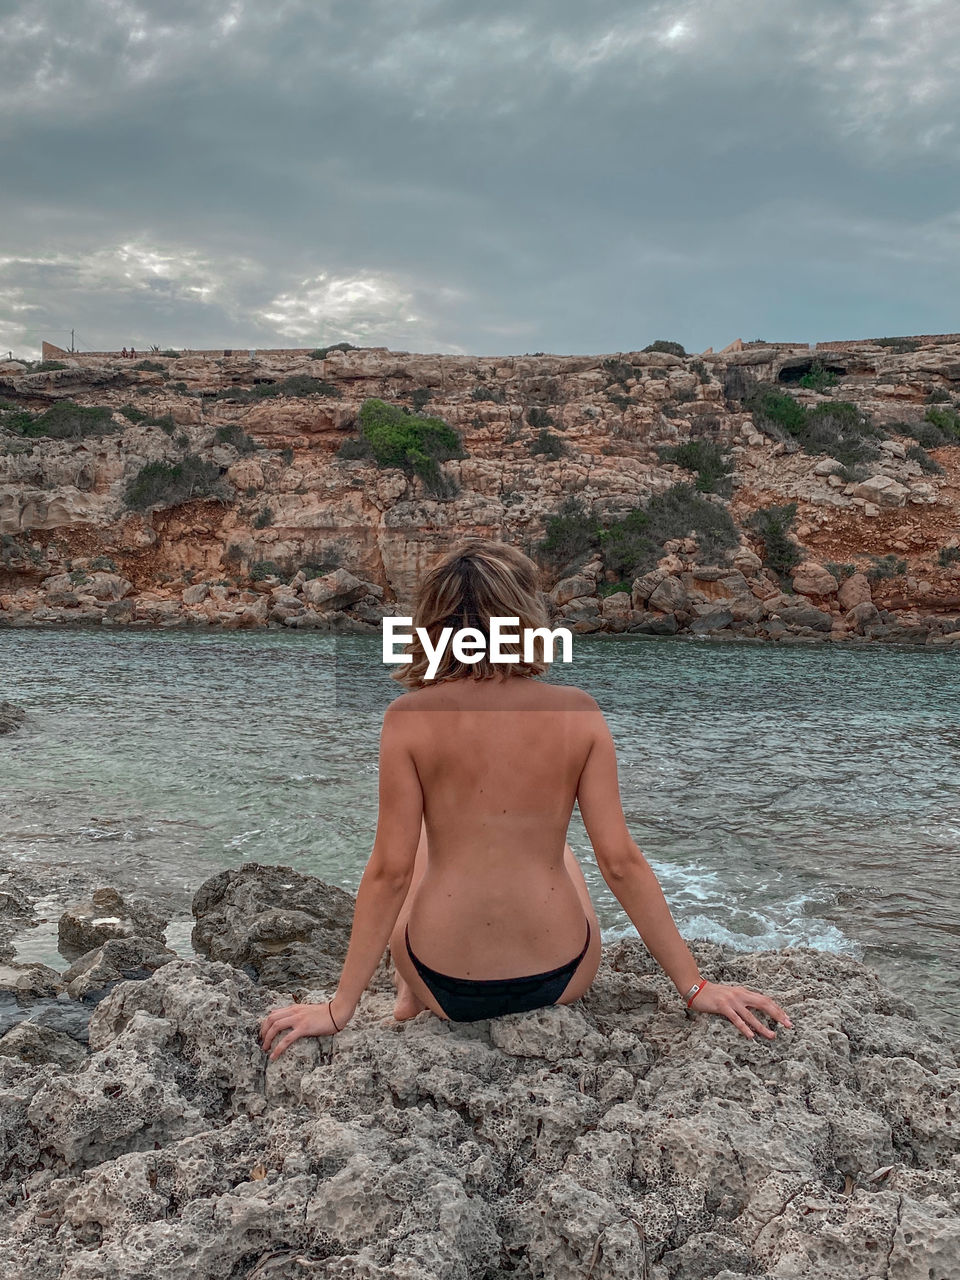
pixel 71 340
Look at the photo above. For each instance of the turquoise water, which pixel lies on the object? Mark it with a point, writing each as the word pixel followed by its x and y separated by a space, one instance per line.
pixel 783 795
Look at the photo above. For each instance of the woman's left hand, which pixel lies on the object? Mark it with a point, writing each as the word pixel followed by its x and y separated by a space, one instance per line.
pixel 281 1027
pixel 737 1004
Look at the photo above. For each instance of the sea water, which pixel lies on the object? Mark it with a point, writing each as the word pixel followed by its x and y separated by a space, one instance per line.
pixel 801 795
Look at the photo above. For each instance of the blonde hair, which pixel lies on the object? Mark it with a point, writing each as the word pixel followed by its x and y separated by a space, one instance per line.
pixel 466 587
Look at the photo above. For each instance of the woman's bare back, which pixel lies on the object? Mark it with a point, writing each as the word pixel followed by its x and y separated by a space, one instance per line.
pixel 498 761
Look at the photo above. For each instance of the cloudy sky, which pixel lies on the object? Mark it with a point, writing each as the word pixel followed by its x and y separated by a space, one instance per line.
pixel 495 177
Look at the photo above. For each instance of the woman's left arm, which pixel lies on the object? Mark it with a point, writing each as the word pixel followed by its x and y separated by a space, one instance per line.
pixel 380 895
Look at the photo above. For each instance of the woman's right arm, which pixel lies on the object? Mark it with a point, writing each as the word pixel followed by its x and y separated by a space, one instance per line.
pixel 636 887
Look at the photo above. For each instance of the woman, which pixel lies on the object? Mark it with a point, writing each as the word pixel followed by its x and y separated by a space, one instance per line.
pixel 471 880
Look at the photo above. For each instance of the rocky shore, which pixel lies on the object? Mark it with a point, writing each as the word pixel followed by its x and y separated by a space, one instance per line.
pixel 143 1133
pixel 201 490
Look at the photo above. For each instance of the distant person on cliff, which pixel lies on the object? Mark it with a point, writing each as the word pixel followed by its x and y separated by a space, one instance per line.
pixel 471 880
pixel 123 353
pixel 133 353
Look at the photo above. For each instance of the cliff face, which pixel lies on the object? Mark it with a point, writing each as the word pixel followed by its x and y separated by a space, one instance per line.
pixel 73 549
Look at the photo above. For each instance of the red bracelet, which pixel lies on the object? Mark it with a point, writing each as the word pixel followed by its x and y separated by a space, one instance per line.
pixel 332 1018
pixel 695 991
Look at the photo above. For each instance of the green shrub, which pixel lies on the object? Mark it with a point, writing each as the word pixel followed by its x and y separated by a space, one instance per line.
pixel 16 420
pixel 570 533
pixel 321 353
pixel 700 369
pixel 926 434
pixel 947 556
pixel 620 370
pixel 634 544
pixel 103 563
pixel 264 518
pixel 47 366
pixel 548 444
pixel 395 437
pixel 168 484
pixel 886 567
pixel 611 588
pixel 420 398
pixel 64 421
pixel 77 576
pixel 622 402
pixel 260 569
pixel 840 571
pixel 839 428
pixel 939 395
pixel 287 456
pixel 132 413
pixel 819 377
pixel 483 392
pixel 712 464
pixel 945 420
pixel 537 418
pixel 917 453
pixel 170 353
pixel 772 524
pixel 900 345
pixel 673 348
pixel 149 366
pixel 234 436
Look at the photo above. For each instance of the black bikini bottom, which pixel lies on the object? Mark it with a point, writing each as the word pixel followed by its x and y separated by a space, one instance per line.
pixel 469 999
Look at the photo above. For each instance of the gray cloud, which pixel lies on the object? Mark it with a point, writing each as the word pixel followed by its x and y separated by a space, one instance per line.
pixel 545 176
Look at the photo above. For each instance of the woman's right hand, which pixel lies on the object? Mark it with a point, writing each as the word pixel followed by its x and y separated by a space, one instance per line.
pixel 736 1004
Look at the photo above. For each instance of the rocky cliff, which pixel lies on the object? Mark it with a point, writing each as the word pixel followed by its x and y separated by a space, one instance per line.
pixel 300 531
pixel 144 1133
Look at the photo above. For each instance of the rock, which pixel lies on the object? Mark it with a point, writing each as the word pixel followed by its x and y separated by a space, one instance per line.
pixel 812 579
pixel 805 616
pixel 652 624
pixel 645 586
pixel 881 491
pixel 854 590
pixel 11 717
pixel 196 594
pixel 334 590
pixel 827 466
pixel 286 927
pixel 895 448
pixel 860 615
pixel 36 1044
pixel 573 588
pixel 714 620
pixel 747 561
pixel 116 960
pixel 433 1151
pixel 668 595
pixel 106 915
pixel 106 586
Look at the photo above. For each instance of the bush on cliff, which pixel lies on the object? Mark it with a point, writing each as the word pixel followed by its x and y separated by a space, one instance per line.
pixel 167 484
pixel 548 444
pixel 62 421
pixel 839 429
pixel 570 534
pixel 772 524
pixel 712 464
pixel 394 437
pixel 321 353
pixel 673 348
pixel 236 438
pixel 634 544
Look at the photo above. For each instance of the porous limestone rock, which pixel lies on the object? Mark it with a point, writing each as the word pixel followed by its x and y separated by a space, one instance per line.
pixel 106 915
pixel 614 1137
